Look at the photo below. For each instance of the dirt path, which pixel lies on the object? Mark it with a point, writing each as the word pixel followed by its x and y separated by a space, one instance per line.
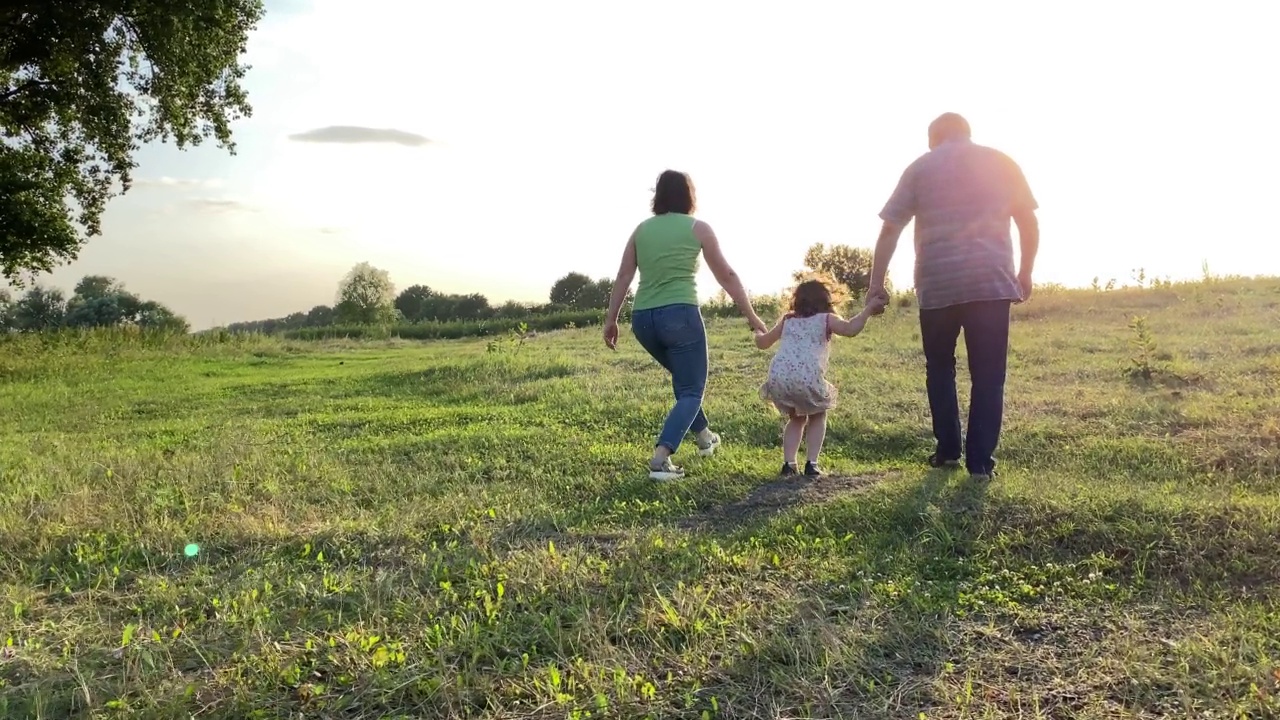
pixel 778 495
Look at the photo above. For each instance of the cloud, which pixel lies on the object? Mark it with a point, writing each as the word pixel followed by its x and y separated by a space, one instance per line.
pixel 351 134
pixel 176 182
pixel 221 205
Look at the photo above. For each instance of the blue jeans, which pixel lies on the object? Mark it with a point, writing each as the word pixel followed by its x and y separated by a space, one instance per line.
pixel 986 338
pixel 675 336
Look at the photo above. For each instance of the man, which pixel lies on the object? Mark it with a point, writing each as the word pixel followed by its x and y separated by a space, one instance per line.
pixel 962 196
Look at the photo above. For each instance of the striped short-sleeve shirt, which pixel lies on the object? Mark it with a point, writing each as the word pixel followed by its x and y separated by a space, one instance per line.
pixel 962 196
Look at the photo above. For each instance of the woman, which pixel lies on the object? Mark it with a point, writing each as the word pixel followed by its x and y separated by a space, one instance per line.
pixel 665 317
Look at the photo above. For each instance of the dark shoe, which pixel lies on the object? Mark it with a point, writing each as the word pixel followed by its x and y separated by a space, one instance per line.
pixel 811 470
pixel 985 471
pixel 948 464
pixel 979 476
pixel 788 470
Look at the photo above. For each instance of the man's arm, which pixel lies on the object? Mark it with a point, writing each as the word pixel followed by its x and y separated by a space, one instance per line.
pixel 1024 216
pixel 1028 240
pixel 897 212
pixel 886 245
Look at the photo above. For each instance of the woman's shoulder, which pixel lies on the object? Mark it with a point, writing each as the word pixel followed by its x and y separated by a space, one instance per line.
pixel 701 231
pixel 676 218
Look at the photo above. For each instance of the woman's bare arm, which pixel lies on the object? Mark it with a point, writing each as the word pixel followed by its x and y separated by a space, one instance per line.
pixel 622 283
pixel 725 274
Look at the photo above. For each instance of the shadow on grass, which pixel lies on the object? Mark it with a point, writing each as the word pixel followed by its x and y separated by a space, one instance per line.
pixel 872 625
pixel 891 624
pixel 851 439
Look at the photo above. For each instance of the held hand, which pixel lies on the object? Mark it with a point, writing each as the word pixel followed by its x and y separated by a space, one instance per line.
pixel 611 334
pixel 1024 283
pixel 758 326
pixel 877 300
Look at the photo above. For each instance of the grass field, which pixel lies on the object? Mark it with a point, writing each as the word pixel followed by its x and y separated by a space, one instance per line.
pixel 465 529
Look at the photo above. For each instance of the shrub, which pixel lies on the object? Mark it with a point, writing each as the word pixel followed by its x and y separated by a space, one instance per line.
pixel 768 307
pixel 451 330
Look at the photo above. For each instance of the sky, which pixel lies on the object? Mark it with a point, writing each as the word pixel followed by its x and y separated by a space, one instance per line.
pixel 495 146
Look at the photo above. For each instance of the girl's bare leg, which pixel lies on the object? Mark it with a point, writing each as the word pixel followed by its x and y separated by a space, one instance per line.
pixel 791 438
pixel 816 433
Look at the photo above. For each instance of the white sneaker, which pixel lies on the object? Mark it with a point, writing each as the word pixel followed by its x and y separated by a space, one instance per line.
pixel 709 448
pixel 665 471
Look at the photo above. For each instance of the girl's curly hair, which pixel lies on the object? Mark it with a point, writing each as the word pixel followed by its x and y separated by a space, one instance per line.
pixel 812 297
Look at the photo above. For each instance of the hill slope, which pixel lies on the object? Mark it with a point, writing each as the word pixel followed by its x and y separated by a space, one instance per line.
pixel 444 530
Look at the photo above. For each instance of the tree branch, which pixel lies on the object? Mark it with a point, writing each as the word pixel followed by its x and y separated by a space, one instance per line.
pixel 24 87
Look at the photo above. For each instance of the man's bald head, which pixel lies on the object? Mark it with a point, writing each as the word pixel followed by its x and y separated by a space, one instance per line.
pixel 948 126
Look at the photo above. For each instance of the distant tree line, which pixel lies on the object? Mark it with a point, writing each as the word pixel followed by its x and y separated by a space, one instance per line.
pixel 97 301
pixel 366 296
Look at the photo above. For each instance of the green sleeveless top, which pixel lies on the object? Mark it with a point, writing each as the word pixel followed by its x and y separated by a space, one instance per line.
pixel 667 257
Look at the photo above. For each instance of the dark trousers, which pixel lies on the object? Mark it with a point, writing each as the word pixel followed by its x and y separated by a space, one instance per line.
pixel 986 339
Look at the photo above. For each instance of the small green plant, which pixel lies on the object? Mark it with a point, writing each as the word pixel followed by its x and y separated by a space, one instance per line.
pixel 512 342
pixel 1205 273
pixel 1142 363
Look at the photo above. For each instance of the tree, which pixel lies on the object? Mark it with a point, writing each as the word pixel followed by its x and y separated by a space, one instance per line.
pixel 96 286
pixel 513 309
pixel 580 292
pixel 596 295
pixel 40 309
pixel 320 316
pixel 849 266
pixel 6 311
pixel 565 291
pixel 103 311
pixel 101 301
pixel 83 84
pixel 366 296
pixel 154 316
pixel 414 302
pixel 471 307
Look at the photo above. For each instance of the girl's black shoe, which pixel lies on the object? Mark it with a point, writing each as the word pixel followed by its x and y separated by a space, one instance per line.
pixel 811 470
pixel 788 470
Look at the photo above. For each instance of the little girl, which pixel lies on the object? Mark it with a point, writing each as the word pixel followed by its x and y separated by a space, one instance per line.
pixel 797 383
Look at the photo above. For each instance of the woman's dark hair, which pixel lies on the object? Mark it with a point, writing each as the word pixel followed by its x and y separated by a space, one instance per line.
pixel 811 298
pixel 674 194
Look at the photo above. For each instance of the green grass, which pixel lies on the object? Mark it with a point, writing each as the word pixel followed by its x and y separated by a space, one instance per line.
pixel 399 529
